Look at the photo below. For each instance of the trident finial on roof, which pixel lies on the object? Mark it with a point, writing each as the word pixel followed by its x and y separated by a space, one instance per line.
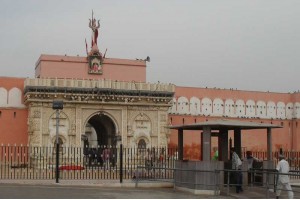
pixel 94 28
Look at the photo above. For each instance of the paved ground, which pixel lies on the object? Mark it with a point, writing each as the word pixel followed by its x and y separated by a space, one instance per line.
pixel 83 189
pixel 21 191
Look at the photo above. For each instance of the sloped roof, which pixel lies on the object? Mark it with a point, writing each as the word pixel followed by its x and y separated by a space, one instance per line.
pixel 226 124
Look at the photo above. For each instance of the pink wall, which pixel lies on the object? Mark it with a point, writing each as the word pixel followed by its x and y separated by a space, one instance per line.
pixel 77 67
pixel 285 137
pixel 231 94
pixel 14 126
pixel 13 121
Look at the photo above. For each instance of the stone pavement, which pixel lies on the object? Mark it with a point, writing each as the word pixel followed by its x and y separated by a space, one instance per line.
pixel 260 193
pixel 113 189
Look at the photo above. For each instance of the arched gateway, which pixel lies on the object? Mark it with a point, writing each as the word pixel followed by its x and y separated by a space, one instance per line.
pixel 100 111
pixel 101 130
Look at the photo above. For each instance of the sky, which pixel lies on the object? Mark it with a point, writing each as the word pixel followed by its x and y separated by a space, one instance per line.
pixel 242 44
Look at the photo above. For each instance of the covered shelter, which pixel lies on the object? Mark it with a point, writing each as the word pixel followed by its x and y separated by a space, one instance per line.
pixel 220 129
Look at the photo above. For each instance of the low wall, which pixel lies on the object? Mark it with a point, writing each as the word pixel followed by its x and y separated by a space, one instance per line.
pixel 198 176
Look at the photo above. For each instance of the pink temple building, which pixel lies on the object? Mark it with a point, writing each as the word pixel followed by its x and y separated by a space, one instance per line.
pixel 189 104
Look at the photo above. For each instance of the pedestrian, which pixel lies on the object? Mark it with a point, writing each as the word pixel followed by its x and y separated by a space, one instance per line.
pixel 283 179
pixel 106 157
pixel 216 155
pixel 148 160
pixel 161 161
pixel 237 165
pixel 250 159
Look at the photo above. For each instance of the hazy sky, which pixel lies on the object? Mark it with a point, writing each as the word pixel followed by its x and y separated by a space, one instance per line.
pixel 244 44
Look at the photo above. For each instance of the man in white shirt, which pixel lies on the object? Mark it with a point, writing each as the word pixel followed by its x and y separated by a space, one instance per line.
pixel 237 165
pixel 283 180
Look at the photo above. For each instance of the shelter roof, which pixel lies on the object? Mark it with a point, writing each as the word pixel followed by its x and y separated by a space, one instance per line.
pixel 226 124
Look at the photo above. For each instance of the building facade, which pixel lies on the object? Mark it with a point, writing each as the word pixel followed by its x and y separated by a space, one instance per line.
pixel 108 101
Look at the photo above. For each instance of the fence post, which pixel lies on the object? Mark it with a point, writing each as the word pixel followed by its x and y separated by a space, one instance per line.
pixel 267 185
pixel 228 177
pixel 121 163
pixel 216 183
pixel 174 178
pixel 57 148
pixel 137 177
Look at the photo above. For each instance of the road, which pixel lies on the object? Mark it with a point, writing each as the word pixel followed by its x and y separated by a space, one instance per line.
pixel 28 191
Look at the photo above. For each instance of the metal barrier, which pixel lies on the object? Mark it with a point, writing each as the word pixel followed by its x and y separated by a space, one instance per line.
pixel 24 162
pixel 157 177
pixel 293 158
pixel 269 182
pixel 267 185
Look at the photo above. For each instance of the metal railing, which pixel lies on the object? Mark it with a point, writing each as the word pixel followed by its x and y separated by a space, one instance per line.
pixel 24 162
pixel 293 157
pixel 158 178
pixel 267 184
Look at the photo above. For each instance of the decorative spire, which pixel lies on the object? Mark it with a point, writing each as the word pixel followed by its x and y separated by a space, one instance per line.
pixel 94 27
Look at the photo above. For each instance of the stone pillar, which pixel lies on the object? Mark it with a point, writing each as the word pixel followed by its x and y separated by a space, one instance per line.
pixel 206 143
pixel 180 144
pixel 269 163
pixel 223 145
pixel 269 144
pixel 238 141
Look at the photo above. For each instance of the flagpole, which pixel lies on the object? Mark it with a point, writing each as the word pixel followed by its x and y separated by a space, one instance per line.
pixel 86 47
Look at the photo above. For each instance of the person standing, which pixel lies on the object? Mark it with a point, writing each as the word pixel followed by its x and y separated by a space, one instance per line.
pixel 250 160
pixel 161 161
pixel 148 160
pixel 216 155
pixel 237 165
pixel 106 157
pixel 283 179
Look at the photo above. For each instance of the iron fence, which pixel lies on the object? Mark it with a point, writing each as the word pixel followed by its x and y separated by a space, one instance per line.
pixel 293 158
pixel 102 162
pixel 266 186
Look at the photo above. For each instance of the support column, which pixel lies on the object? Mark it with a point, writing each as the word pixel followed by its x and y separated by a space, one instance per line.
pixel 268 164
pixel 206 143
pixel 180 144
pixel 238 141
pixel 223 145
pixel 269 144
pixel 201 148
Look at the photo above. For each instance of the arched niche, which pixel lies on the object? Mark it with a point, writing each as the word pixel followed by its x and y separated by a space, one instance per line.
pixel 280 110
pixel 15 97
pixel 183 105
pixel 206 105
pixel 271 110
pixel 250 109
pixel 240 108
pixel 3 97
pixel 229 108
pixel 289 110
pixel 218 107
pixel 194 106
pixel 261 109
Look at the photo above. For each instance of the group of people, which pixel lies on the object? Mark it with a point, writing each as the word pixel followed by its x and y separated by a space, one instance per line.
pixel 282 168
pixel 154 157
pixel 102 156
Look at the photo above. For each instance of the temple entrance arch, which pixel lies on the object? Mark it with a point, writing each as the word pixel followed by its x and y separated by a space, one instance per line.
pixel 100 130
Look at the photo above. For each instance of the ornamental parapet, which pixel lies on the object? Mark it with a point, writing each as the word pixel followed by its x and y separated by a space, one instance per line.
pixel 93 90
